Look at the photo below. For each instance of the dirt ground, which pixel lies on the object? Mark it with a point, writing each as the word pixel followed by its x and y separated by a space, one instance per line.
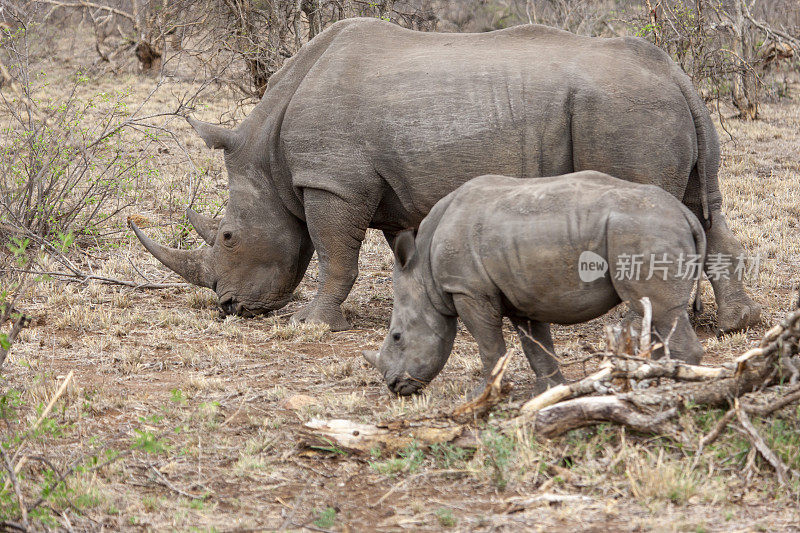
pixel 199 419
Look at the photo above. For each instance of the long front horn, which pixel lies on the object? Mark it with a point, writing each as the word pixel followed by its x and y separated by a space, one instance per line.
pixel 206 227
pixel 214 136
pixel 191 265
pixel 371 356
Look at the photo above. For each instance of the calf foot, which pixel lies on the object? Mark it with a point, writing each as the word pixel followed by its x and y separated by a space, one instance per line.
pixel 316 314
pixel 737 312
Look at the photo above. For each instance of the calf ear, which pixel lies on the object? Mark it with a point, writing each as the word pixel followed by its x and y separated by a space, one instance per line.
pixel 405 248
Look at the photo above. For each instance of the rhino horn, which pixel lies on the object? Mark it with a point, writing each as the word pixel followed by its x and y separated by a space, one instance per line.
pixel 213 135
pixel 191 265
pixel 206 227
pixel 371 356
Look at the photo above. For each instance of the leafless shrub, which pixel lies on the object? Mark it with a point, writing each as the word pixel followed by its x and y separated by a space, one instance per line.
pixel 231 37
pixel 65 166
pixel 722 45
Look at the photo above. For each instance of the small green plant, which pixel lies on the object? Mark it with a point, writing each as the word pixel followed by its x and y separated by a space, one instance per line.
pixel 447 456
pixel 499 450
pixel 446 518
pixel 326 518
pixel 177 396
pixel 197 504
pixel 148 442
pixel 332 447
pixel 409 461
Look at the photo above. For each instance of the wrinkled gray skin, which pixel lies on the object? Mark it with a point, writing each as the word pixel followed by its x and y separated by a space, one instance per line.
pixel 370 124
pixel 500 246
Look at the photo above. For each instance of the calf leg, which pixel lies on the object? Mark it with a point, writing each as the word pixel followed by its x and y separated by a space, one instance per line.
pixel 337 229
pixel 675 330
pixel 484 321
pixel 537 343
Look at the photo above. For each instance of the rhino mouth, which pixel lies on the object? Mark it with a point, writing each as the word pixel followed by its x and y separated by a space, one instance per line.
pixel 231 307
pixel 405 385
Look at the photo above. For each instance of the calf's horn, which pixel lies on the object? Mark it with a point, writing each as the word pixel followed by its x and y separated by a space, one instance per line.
pixel 371 356
pixel 191 265
pixel 206 227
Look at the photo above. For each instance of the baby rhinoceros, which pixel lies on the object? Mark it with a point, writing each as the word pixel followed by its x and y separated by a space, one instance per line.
pixel 558 250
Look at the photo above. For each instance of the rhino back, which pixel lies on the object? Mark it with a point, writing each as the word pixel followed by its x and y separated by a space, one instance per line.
pixel 261 128
pixel 424 112
pixel 522 240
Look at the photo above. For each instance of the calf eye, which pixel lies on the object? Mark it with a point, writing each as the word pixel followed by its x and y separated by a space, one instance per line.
pixel 396 336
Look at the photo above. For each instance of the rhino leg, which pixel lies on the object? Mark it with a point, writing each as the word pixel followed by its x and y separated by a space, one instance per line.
pixel 337 229
pixel 735 309
pixel 537 343
pixel 484 321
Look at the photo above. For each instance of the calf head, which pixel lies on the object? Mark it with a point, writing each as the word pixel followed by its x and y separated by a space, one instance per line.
pixel 420 338
pixel 259 251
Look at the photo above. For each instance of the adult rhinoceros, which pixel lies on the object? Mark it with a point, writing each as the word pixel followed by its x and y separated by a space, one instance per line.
pixel 369 124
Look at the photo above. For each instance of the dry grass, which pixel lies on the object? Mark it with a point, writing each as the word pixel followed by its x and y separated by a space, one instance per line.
pixel 160 377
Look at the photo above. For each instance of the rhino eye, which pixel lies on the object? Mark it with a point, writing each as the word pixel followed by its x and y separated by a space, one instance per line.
pixel 396 336
pixel 227 235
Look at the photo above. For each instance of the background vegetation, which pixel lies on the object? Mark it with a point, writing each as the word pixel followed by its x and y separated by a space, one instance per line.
pixel 125 402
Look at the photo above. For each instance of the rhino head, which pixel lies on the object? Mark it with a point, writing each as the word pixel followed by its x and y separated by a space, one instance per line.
pixel 420 337
pixel 258 250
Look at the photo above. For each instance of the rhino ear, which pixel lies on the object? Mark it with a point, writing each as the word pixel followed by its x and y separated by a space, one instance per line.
pixel 213 135
pixel 405 247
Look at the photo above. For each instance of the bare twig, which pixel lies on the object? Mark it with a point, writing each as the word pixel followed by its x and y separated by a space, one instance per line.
pixel 717 430
pixel 42 416
pixel 492 393
pixel 647 317
pixel 760 445
pixel 84 4
pixel 12 475
pixel 16 328
pixel 761 411
pixel 164 481
pixel 84 278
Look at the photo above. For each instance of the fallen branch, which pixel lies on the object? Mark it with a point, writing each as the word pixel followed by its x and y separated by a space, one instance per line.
pixel 568 390
pixel 492 393
pixel 791 397
pixel 564 416
pixel 759 444
pixel 569 406
pixel 345 436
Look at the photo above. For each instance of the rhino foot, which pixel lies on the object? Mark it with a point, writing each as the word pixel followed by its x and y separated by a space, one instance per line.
pixel 542 384
pixel 314 314
pixel 737 312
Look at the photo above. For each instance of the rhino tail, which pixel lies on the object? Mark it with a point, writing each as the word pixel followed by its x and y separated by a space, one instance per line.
pixel 705 136
pixel 699 235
